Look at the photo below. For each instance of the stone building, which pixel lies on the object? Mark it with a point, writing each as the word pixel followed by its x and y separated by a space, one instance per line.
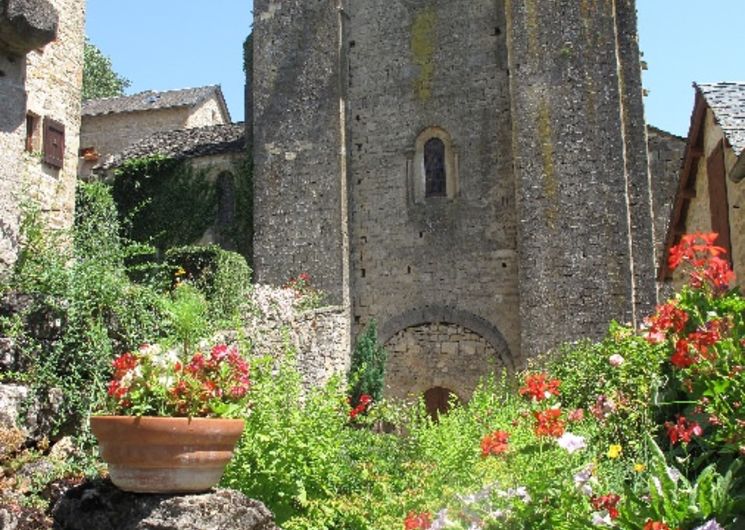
pixel 218 150
pixel 472 174
pixel 110 125
pixel 41 69
pixel 710 195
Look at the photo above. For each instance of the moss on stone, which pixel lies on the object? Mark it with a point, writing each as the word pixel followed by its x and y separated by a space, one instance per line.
pixel 423 37
pixel 549 184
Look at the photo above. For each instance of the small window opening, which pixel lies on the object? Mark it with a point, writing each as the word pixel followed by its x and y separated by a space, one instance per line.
pixel 434 168
pixel 32 133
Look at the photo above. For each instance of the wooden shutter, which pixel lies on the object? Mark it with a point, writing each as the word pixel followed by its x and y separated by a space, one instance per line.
pixel 718 202
pixel 54 143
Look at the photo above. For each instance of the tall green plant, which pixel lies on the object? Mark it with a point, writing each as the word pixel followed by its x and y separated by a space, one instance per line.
pixel 368 365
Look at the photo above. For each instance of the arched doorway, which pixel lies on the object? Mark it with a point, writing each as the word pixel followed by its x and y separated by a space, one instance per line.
pixel 438 400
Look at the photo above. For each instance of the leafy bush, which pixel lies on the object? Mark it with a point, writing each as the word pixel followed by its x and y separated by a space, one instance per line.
pixel 368 366
pixel 222 276
pixel 83 278
pixel 165 201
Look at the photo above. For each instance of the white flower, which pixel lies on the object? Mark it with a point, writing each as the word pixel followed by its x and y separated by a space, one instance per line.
pixel 582 480
pixel 442 521
pixel 673 474
pixel 601 519
pixel 571 442
pixel 616 360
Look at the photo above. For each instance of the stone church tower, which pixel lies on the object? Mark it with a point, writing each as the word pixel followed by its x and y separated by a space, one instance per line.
pixel 472 174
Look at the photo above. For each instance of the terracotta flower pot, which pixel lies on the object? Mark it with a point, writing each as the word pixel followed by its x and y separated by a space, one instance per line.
pixel 165 455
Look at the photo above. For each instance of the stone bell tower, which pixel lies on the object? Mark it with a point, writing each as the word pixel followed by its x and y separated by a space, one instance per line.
pixel 471 174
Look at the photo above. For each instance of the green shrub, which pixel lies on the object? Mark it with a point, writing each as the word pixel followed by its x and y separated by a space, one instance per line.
pixel 368 365
pixel 222 276
pixel 82 277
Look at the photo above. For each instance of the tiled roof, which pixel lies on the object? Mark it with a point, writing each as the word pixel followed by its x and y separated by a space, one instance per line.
pixel 185 143
pixel 150 100
pixel 727 101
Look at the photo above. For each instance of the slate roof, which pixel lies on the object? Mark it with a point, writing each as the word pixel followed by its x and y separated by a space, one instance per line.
pixel 150 99
pixel 727 101
pixel 185 143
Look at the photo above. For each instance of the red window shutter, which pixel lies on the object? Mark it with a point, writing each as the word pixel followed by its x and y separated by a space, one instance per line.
pixel 54 143
pixel 718 201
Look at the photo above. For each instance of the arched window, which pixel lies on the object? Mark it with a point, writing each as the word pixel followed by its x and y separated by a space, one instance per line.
pixel 434 168
pixel 225 201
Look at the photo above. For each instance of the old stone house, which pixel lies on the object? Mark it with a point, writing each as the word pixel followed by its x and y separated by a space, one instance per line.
pixel 710 195
pixel 471 174
pixel 41 68
pixel 217 150
pixel 110 125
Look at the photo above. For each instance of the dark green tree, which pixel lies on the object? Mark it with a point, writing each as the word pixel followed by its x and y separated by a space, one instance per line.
pixel 99 78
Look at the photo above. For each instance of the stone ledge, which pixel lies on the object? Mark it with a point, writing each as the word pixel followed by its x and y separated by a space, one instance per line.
pixel 99 504
pixel 27 24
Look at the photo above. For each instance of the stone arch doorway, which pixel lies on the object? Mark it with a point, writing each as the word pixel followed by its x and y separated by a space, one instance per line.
pixel 443 354
pixel 437 401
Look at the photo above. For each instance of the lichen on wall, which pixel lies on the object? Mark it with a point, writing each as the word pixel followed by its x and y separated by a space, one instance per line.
pixel 423 41
pixel 548 181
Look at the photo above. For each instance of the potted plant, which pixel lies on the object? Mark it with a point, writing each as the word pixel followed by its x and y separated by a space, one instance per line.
pixel 171 417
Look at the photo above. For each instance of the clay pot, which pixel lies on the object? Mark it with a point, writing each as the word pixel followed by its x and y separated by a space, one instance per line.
pixel 165 455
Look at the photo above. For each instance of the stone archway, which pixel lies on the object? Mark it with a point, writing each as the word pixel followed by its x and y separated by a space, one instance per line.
pixel 438 355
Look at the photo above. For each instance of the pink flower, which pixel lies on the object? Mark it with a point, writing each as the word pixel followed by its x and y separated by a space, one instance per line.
pixel 616 360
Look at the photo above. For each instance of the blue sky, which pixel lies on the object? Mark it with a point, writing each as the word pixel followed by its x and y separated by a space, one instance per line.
pixel 166 44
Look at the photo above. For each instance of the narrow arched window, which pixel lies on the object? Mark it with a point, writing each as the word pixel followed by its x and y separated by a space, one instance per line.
pixel 225 201
pixel 434 168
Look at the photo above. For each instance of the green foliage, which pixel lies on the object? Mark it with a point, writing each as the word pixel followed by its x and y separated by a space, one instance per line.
pixel 368 365
pixel 684 504
pixel 631 389
pixel 99 78
pixel 165 201
pixel 222 276
pixel 101 311
pixel 187 312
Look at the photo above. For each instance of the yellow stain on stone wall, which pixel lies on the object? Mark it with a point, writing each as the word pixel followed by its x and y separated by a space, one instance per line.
pixel 532 25
pixel 423 39
pixel 549 185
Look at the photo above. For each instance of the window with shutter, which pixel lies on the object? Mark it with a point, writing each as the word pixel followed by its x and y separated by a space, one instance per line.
pixel 54 143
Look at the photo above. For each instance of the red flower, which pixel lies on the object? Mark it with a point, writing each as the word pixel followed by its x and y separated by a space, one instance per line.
pixel 549 423
pixel 539 388
pixel 494 443
pixel 668 317
pixel 197 363
pixel 362 405
pixel 683 358
pixel 694 249
pixel 607 502
pixel 683 430
pixel 705 337
pixel 417 521
pixel 717 273
pixel 116 390
pixel 123 364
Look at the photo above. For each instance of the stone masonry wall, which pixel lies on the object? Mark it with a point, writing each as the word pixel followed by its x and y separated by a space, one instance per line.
pixel 584 204
pixel 46 82
pixel 414 65
pixel 210 112
pixel 665 159
pixel 319 337
pixel 432 355
pixel 111 133
pixel 299 180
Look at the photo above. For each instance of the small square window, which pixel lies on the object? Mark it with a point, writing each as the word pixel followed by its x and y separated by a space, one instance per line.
pixel 32 133
pixel 54 143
